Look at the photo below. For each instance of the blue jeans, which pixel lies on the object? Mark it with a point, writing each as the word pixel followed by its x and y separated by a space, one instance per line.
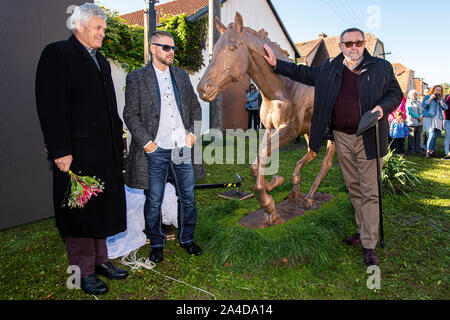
pixel 447 136
pixel 431 141
pixel 160 162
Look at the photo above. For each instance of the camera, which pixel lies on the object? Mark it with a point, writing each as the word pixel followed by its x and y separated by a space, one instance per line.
pixel 438 96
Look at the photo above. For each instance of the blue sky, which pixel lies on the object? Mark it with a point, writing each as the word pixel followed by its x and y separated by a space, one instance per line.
pixel 415 32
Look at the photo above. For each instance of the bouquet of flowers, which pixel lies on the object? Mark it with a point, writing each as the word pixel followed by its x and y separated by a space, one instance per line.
pixel 82 188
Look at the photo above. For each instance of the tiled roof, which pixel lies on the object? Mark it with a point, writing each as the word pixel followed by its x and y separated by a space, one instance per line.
pixel 403 75
pixel 305 48
pixel 332 45
pixel 174 7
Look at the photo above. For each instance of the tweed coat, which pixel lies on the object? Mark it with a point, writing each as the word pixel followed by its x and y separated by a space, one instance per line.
pixel 142 113
pixel 77 109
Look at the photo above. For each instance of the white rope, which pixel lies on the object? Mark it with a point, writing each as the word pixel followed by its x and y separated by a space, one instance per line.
pixel 130 260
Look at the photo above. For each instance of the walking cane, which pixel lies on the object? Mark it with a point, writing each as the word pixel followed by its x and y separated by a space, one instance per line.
pixel 368 120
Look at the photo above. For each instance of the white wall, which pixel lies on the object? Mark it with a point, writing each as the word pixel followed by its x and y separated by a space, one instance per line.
pixel 119 76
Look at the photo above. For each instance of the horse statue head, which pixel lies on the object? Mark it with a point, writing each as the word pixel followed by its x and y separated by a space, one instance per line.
pixel 229 62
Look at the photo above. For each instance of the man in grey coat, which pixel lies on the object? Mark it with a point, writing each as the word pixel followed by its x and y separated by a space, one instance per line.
pixel 161 108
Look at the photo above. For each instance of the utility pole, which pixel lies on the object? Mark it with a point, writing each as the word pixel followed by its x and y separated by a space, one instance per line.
pixel 215 107
pixel 146 47
pixel 151 19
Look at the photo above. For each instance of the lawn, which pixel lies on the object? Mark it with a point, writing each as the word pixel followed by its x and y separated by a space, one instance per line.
pixel 302 259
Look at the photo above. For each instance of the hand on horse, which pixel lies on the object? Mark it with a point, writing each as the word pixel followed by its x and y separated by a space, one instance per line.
pixel 270 58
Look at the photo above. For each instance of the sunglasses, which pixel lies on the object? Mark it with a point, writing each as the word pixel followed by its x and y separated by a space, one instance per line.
pixel 166 47
pixel 349 44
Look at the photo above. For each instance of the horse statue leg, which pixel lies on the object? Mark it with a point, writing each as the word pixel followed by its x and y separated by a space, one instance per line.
pixel 295 195
pixel 265 200
pixel 281 136
pixel 326 165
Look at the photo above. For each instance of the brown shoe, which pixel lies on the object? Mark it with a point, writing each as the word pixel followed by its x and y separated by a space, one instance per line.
pixel 370 258
pixel 354 239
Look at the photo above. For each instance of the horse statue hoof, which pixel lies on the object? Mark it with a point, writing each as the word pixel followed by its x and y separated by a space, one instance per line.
pixel 296 198
pixel 273 218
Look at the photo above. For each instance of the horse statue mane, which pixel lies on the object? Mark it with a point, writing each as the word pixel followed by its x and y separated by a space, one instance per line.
pixel 263 35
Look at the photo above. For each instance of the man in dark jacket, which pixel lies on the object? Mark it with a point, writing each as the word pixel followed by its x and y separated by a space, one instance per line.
pixel 161 109
pixel 345 88
pixel 82 131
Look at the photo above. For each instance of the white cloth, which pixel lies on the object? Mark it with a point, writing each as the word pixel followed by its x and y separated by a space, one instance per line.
pixel 134 237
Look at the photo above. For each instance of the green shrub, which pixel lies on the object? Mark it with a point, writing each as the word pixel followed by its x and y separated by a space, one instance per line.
pixel 398 176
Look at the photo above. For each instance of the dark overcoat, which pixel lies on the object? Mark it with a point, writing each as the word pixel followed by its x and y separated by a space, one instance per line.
pixel 377 85
pixel 142 114
pixel 77 109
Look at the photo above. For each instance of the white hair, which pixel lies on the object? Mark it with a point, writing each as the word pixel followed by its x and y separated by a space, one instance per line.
pixel 84 13
pixel 411 93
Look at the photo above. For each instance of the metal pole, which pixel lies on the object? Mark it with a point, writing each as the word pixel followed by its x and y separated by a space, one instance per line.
pixel 380 206
pixel 151 17
pixel 146 46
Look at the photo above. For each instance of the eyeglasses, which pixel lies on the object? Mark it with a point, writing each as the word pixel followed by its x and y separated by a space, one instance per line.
pixel 166 47
pixel 349 44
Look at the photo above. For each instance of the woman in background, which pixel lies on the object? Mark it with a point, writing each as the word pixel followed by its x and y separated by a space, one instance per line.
pixel 433 106
pixel 414 121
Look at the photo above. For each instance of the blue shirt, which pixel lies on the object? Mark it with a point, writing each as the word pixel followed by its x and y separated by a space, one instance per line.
pixel 92 54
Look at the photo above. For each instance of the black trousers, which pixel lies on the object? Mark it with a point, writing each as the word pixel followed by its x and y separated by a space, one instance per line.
pixel 253 115
pixel 399 145
pixel 414 139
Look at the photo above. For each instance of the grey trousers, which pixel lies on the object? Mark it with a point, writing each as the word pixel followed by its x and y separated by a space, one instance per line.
pixel 360 176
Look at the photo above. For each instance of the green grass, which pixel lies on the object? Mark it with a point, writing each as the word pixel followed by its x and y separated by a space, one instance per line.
pixel 241 263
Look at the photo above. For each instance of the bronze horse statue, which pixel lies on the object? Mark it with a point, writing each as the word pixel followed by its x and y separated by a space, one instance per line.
pixel 285 112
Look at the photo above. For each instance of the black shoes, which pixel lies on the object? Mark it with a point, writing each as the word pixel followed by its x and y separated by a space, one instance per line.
pixel 156 255
pixel 110 271
pixel 191 248
pixel 91 284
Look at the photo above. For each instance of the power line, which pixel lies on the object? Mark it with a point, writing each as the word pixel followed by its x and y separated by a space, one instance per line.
pixel 358 19
pixel 335 12
pixel 348 21
pixel 347 14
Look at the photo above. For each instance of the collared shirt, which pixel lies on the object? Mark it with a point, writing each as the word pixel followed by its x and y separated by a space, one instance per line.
pixel 345 62
pixel 171 131
pixel 92 54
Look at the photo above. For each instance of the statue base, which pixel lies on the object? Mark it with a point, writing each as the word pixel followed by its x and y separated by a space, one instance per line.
pixel 286 209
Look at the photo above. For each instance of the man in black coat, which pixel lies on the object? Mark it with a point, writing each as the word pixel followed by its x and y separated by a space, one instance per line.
pixel 76 104
pixel 345 88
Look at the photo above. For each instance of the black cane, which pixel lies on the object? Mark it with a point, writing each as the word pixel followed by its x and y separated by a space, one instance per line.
pixel 379 185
